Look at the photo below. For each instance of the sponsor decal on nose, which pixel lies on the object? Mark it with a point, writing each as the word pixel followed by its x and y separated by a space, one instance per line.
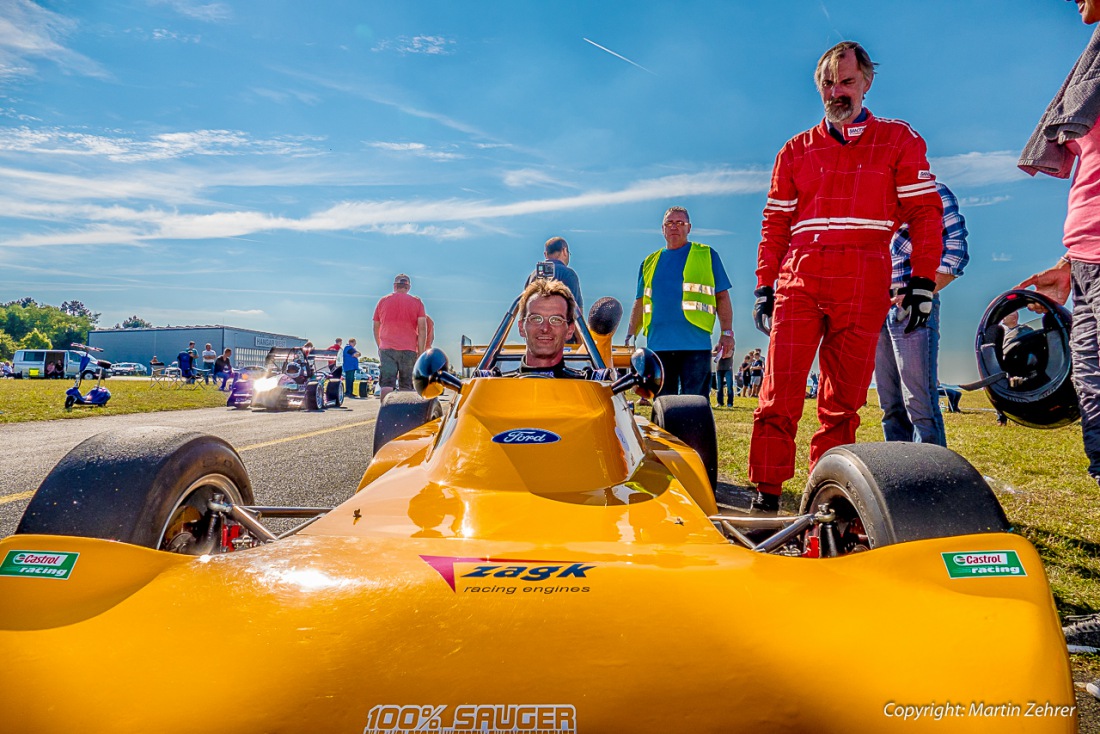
pixel 983 564
pixel 528 436
pixel 38 564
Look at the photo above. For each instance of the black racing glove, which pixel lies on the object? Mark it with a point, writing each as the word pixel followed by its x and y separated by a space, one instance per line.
pixel 762 309
pixel 917 300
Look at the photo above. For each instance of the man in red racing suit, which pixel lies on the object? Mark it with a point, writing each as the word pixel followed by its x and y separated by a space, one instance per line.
pixel 838 192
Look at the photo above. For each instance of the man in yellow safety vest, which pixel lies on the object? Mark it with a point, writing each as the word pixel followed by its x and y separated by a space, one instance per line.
pixel 682 290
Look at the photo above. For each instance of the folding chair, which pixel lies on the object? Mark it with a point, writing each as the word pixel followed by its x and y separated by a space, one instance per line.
pixel 158 375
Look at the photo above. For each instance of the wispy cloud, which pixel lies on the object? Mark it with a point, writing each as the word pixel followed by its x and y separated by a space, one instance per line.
pixel 127 149
pixel 970 202
pixel 418 149
pixel 162 34
pixel 206 12
pixel 248 312
pixel 428 218
pixel 618 56
pixel 978 169
pixel 388 99
pixel 1001 257
pixel 30 33
pixel 431 45
pixel 532 177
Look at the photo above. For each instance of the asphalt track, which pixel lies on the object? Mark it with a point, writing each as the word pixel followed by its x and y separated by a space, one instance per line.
pixel 294 458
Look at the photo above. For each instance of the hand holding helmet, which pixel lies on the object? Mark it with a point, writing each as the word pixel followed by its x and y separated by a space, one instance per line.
pixel 762 309
pixel 916 298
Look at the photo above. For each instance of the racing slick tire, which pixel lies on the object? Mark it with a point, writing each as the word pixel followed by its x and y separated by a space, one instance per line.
pixel 689 418
pixel 401 412
pixel 335 393
pixel 315 396
pixel 364 389
pixel 148 486
pixel 901 491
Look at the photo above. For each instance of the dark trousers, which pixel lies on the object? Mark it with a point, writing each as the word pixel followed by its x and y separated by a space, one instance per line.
pixel 349 383
pixel 725 386
pixel 687 372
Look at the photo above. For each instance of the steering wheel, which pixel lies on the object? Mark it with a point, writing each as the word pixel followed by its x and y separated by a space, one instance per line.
pixel 542 375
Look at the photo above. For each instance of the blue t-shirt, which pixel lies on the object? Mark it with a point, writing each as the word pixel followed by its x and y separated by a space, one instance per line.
pixel 351 362
pixel 566 275
pixel 669 328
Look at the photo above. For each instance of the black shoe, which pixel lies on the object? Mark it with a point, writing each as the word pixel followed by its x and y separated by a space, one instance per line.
pixel 1083 633
pixel 765 504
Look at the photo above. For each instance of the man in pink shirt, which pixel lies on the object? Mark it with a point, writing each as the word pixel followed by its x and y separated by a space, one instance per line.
pixel 401 332
pixel 1069 132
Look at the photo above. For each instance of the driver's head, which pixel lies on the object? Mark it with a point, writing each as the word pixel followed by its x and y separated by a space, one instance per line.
pixel 546 320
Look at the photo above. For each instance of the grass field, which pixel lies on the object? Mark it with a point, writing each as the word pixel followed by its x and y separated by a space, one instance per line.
pixel 40 400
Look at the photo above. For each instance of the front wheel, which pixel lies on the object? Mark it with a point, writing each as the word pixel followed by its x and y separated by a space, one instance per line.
pixel 689 418
pixel 146 486
pixel 888 493
pixel 315 396
pixel 70 401
pixel 400 413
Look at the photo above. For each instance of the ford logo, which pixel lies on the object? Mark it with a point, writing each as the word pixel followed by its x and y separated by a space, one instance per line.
pixel 526 435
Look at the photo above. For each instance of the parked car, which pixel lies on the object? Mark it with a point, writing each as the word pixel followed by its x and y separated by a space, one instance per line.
pixel 129 368
pixel 65 364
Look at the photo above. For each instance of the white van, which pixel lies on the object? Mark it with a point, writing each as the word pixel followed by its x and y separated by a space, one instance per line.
pixel 66 363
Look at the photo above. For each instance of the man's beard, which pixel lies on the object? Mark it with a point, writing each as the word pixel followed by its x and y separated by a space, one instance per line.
pixel 839 109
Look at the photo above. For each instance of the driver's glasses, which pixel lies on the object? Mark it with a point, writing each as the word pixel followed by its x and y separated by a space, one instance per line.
pixel 675 223
pixel 538 320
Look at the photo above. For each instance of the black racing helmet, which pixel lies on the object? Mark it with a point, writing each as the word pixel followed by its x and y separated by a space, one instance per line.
pixel 1024 359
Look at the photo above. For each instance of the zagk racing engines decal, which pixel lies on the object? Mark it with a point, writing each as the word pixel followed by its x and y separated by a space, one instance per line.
pixel 543 718
pixel 507 576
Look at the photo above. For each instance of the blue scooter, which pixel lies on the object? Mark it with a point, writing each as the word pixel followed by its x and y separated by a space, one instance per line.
pixel 98 395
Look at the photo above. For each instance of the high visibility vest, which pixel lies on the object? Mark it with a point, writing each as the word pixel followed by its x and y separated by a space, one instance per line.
pixel 698 301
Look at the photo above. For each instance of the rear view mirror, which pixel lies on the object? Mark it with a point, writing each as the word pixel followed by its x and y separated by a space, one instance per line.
pixel 430 374
pixel 646 376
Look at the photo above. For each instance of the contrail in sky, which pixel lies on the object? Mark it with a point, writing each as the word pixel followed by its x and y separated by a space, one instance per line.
pixel 618 56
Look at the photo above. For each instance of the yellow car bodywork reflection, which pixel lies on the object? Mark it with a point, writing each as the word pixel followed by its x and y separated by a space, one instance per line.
pixel 478 583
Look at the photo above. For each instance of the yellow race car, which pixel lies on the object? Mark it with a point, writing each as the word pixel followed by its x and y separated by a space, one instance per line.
pixel 530 555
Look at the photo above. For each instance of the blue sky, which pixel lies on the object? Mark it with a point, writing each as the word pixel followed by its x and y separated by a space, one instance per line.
pixel 271 165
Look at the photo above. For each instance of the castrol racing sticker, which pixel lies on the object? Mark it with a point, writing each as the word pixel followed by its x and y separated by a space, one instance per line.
pixel 983 564
pixel 38 564
pixel 476 718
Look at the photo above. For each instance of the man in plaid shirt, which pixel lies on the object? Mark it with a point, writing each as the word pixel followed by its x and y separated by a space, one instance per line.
pixel 838 192
pixel 906 371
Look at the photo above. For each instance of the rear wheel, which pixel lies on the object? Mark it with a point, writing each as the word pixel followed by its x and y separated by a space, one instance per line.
pixel 145 486
pixel 400 413
pixel 888 493
pixel 689 418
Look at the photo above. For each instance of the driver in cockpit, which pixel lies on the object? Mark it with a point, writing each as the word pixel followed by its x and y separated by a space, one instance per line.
pixel 547 318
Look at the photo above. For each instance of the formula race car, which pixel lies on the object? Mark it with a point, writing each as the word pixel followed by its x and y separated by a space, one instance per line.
pixel 293 380
pixel 528 555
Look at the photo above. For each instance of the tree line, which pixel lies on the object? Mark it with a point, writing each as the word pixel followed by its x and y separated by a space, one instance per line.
pixel 27 324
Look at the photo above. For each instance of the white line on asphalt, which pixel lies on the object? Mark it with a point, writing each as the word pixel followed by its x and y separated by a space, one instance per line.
pixel 304 435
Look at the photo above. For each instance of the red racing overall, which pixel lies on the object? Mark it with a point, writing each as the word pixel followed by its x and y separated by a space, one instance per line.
pixel 831 211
